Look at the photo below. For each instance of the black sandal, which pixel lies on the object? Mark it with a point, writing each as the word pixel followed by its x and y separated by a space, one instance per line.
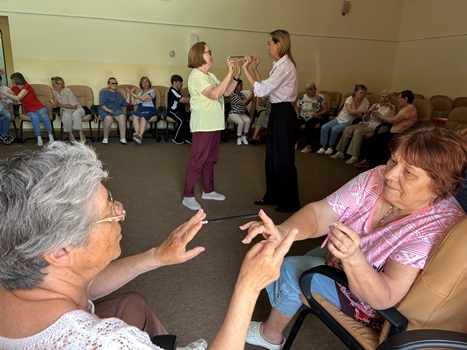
pixel 263 202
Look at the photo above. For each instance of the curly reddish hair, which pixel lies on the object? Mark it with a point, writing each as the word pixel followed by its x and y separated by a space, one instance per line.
pixel 439 151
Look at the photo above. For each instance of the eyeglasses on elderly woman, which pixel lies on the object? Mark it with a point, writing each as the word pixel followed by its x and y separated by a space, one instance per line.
pixel 117 208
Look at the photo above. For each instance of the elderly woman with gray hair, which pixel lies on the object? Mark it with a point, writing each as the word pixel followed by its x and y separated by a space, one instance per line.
pixel 356 132
pixel 72 111
pixel 312 111
pixel 58 257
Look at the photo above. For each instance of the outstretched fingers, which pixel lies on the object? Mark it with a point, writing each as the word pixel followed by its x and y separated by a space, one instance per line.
pixel 286 243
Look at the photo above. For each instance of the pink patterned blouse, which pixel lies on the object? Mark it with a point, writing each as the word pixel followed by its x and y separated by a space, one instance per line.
pixel 407 241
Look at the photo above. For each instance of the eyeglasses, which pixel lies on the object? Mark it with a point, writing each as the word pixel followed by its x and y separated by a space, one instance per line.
pixel 117 207
pixel 209 52
pixel 113 83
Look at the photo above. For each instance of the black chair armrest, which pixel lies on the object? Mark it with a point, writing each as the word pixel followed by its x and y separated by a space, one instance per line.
pixel 166 341
pixel 162 112
pixel 16 108
pixel 397 321
pixel 382 128
pixel 56 111
pixel 259 112
pixel 94 113
pixel 425 338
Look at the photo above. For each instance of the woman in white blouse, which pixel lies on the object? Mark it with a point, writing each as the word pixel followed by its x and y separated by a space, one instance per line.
pixel 72 112
pixel 281 87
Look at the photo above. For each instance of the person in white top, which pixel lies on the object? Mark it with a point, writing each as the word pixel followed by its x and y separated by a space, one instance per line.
pixel 355 106
pixel 312 110
pixel 369 122
pixel 62 254
pixel 281 87
pixel 72 112
pixel 5 115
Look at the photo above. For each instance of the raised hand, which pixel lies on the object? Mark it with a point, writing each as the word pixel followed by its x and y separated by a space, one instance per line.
pixel 266 228
pixel 256 61
pixel 173 249
pixel 262 263
pixel 230 65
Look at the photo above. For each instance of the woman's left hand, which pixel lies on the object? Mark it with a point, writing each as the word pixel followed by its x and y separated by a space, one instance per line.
pixel 173 249
pixel 344 243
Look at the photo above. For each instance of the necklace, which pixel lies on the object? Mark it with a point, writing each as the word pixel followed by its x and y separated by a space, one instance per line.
pixel 389 212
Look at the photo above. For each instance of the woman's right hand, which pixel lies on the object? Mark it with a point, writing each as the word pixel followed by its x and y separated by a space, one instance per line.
pixel 248 61
pixel 230 65
pixel 266 228
pixel 256 61
pixel 262 264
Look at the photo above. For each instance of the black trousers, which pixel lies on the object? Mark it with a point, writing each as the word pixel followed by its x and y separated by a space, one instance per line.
pixel 281 173
pixel 376 150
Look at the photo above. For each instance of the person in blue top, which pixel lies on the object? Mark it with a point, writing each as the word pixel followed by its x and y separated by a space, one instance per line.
pixel 110 108
pixel 146 102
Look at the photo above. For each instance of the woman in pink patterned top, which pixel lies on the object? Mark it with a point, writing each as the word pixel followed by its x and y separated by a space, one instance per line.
pixel 397 214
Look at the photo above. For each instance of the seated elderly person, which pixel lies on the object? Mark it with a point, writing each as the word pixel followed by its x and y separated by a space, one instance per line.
pixel 238 112
pixel 261 124
pixel 355 106
pixel 146 108
pixel 396 214
pixel 110 108
pixel 312 111
pixel 59 256
pixel 72 111
pixel 5 115
pixel 369 122
pixel 375 151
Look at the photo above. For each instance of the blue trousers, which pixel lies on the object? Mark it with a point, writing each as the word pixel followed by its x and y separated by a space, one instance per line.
pixel 335 128
pixel 284 294
pixel 40 115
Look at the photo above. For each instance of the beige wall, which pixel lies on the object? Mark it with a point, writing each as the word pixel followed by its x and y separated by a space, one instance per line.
pixel 85 42
pixel 431 55
pixel 397 44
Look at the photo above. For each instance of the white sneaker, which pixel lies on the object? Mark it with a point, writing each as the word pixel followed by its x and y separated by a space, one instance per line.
pixel 254 337
pixel 321 151
pixel 123 141
pixel 306 150
pixel 39 141
pixel 329 151
pixel 200 344
pixel 51 138
pixel 352 160
pixel 105 141
pixel 239 141
pixel 191 203
pixel 213 196
pixel 244 140
pixel 338 155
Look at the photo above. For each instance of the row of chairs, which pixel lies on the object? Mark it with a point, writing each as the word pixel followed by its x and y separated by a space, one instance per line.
pixel 437 108
pixel 442 104
pixel 85 96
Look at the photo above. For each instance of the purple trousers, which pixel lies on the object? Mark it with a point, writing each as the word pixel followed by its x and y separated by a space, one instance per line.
pixel 204 155
pixel 133 310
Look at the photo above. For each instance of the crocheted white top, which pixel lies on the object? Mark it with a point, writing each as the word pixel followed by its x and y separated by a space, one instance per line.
pixel 79 329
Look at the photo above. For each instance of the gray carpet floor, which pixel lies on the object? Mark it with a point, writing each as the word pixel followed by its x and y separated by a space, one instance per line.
pixel 191 299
